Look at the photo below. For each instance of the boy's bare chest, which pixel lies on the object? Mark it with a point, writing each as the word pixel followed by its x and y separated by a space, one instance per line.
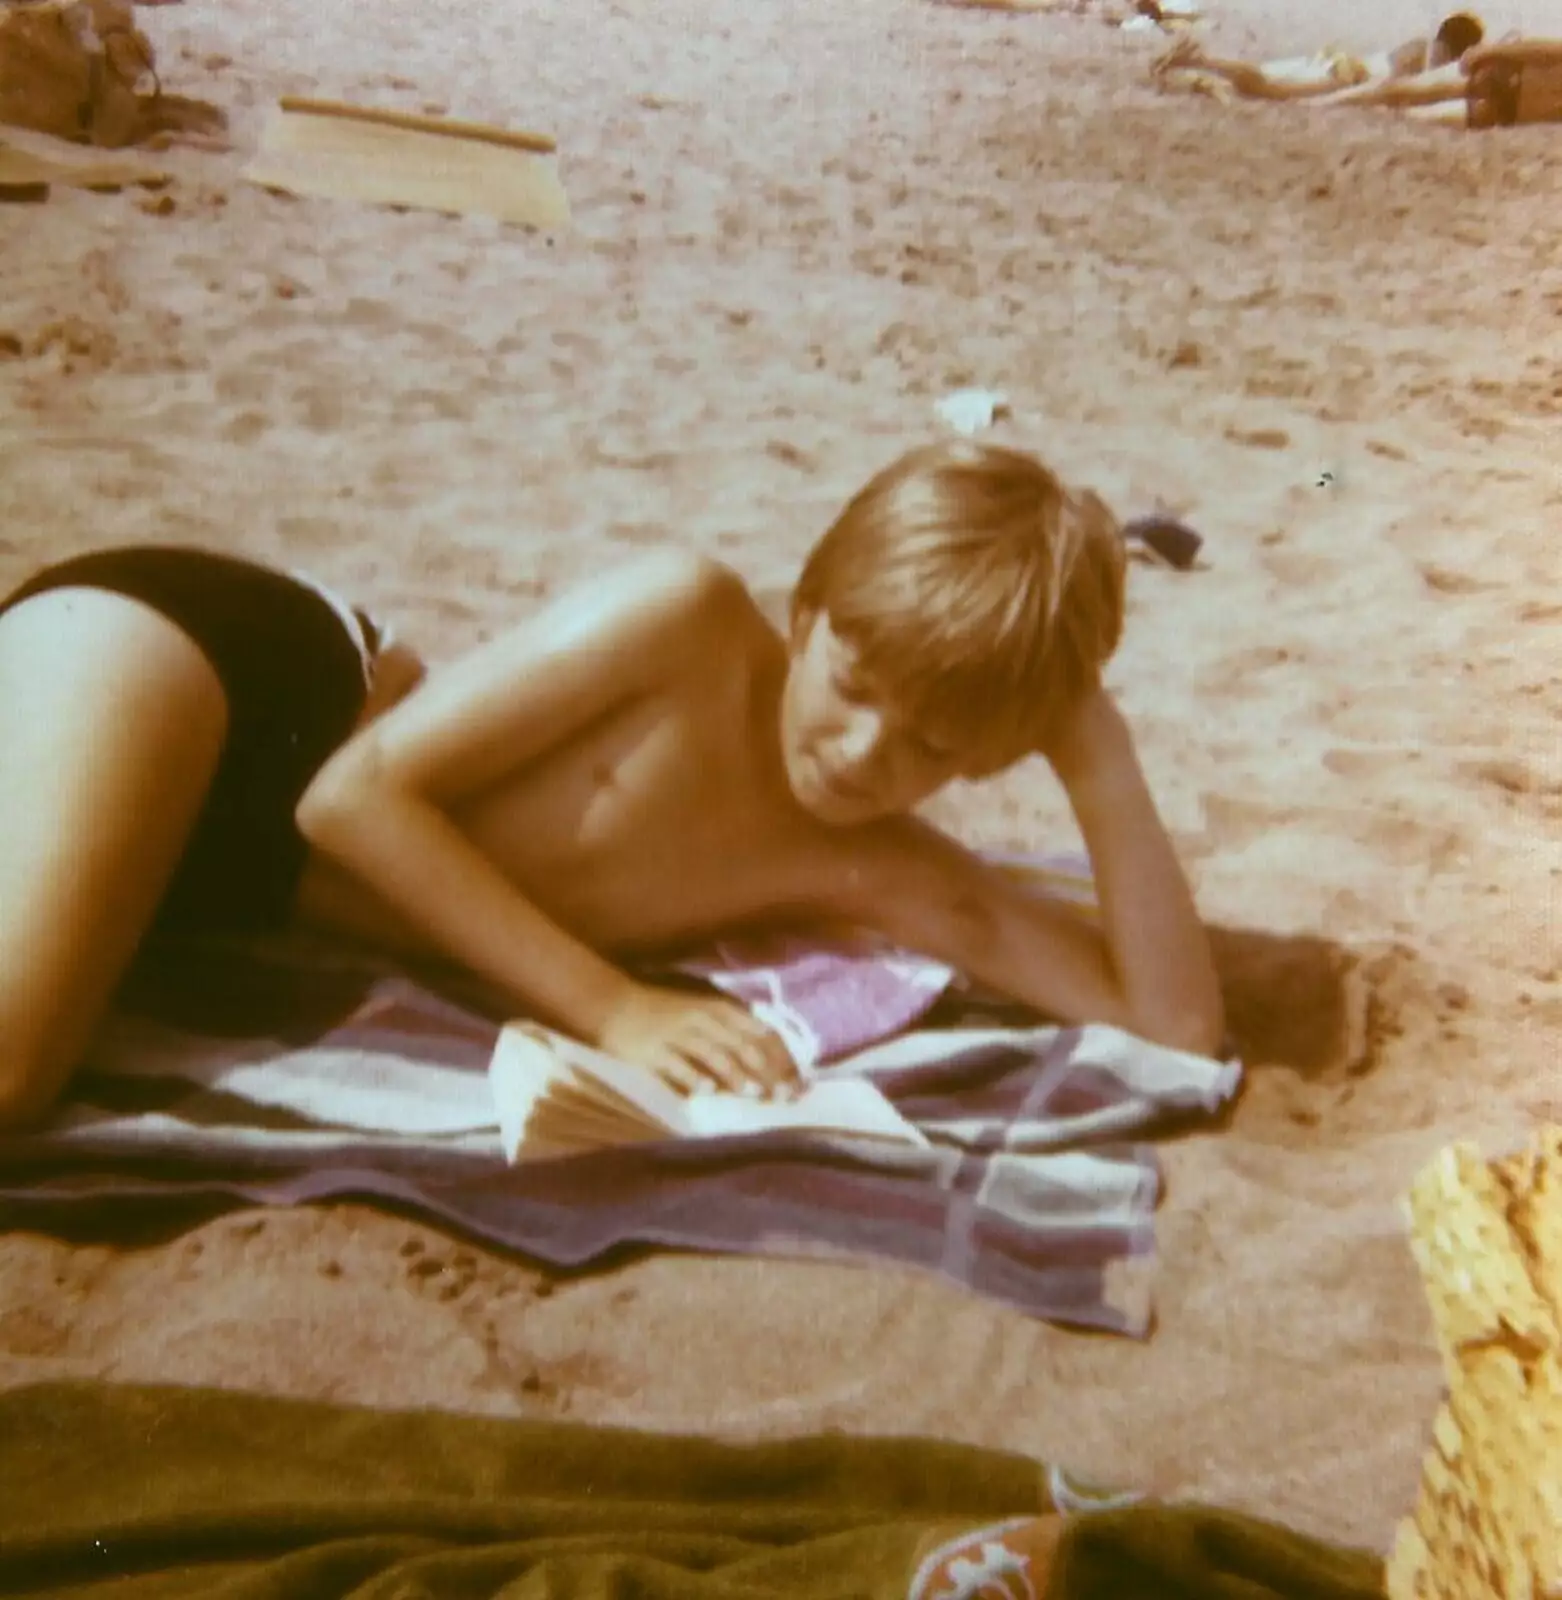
pixel 657 824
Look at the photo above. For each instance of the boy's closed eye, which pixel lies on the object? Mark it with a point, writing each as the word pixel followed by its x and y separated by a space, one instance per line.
pixel 850 684
pixel 935 751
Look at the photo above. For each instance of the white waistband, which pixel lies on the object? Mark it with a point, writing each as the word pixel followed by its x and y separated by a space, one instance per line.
pixel 351 621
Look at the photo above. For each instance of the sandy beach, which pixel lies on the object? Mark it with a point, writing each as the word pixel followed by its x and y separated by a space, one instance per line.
pixel 1331 340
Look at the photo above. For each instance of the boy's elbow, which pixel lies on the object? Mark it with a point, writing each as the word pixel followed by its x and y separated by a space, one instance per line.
pixel 335 800
pixel 1198 1029
pixel 318 813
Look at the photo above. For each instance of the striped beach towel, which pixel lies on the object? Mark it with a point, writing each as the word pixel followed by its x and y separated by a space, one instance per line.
pixel 292 1072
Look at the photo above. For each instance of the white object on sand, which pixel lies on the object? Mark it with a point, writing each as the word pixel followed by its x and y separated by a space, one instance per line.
pixel 968 411
pixel 1163 14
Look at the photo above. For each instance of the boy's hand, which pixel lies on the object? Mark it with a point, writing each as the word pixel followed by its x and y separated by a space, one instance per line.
pixel 697 1042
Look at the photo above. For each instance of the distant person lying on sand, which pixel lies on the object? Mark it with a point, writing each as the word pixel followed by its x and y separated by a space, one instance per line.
pixel 1329 72
pixel 195 742
pixel 1454 77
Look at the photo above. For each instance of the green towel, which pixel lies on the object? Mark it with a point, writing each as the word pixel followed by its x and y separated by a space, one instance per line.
pixel 136 1492
pixel 1187 1552
pixel 126 1493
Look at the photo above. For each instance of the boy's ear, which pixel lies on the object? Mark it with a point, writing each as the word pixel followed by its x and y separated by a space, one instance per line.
pixel 800 624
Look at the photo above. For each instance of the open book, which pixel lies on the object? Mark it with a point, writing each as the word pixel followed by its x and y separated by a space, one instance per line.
pixel 557 1097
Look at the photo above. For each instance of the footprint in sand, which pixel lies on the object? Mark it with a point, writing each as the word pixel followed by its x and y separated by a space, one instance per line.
pixel 246 386
pixel 789 454
pixel 1348 762
pixel 323 407
pixel 445 405
pixel 1231 824
pixel 246 427
pixel 439 1274
pixel 537 1385
pixel 1520 784
pixel 1447 580
pixel 361 312
pixel 1276 378
pixel 476 1288
pixel 1234 676
pixel 1258 438
pixel 283 317
pixel 1294 567
pixel 311 533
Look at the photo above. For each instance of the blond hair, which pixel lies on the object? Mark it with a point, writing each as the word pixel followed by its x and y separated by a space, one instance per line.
pixel 978 589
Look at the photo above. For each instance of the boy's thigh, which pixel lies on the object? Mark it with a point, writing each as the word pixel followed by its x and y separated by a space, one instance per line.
pixel 111 727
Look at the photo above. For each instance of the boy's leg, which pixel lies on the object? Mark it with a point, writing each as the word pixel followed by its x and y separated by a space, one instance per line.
pixel 1294 78
pixel 1449 114
pixel 111 726
pixel 1437 86
pixel 1274 80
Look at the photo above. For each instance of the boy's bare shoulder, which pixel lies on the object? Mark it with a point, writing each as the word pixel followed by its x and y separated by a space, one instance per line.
pixel 685 596
pixel 701 610
pixel 634 621
pixel 692 575
pixel 643 628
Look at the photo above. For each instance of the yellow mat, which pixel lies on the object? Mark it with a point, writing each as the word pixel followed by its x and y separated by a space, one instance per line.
pixel 334 151
pixel 1488 1238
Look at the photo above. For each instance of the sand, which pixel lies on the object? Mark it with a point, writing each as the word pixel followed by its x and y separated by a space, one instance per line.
pixel 798 224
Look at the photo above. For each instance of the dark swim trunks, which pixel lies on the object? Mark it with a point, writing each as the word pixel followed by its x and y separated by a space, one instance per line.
pixel 295 666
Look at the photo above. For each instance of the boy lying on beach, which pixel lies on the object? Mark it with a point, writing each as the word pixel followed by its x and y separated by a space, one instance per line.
pixel 197 742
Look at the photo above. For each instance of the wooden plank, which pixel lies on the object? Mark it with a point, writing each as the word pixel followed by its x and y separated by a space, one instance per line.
pixel 486 133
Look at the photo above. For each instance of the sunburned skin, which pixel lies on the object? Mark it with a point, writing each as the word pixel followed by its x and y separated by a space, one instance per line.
pixel 649 762
pixel 664 821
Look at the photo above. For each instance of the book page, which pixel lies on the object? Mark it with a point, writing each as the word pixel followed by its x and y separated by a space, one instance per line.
pixel 554 1093
pixel 545 1080
pixel 840 1105
pixel 572 1111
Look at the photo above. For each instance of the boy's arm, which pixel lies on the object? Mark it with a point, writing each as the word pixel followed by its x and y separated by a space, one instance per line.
pixel 1147 968
pixel 380 806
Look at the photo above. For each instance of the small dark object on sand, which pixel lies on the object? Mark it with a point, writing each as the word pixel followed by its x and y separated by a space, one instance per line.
pixel 1171 542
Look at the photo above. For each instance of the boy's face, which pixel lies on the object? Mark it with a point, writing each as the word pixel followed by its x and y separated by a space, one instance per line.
pixel 849 757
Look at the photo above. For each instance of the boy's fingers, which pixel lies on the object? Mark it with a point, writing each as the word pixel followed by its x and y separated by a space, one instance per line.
pixel 725 1051
pixel 678 1075
pixel 748 1063
pixel 780 1068
pixel 712 1058
pixel 764 1049
pixel 773 1066
pixel 686 1071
